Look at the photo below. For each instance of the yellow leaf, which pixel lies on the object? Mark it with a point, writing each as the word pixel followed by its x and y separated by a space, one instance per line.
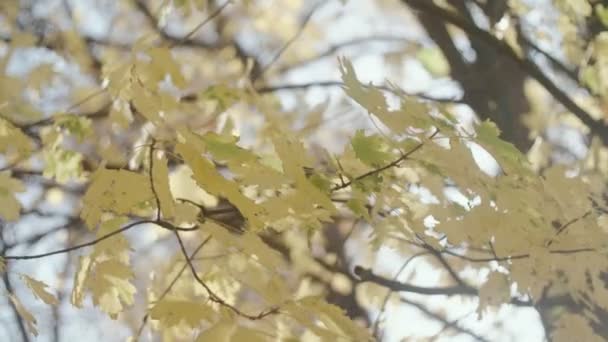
pixel 249 243
pixel 109 283
pixel 111 287
pixel 39 290
pixel 507 155
pixel 80 279
pixel 208 178
pixel 160 176
pixel 14 141
pixel 146 104
pixel 10 207
pixel 325 320
pixel 494 292
pixel 221 331
pixel 117 191
pixel 245 334
pixel 172 312
pixel 372 150
pixel 29 319
pixel 294 159
pixel 335 319
pixel 573 327
pixel 434 61
pixel 413 113
pixel 114 246
pixel 164 63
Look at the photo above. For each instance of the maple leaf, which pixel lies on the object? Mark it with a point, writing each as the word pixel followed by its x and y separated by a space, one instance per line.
pixel 39 290
pixel 171 312
pixel 9 210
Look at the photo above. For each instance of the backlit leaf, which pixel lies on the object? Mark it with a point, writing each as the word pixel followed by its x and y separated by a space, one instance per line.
pixel 494 292
pixel 117 191
pixel 28 318
pixel 372 150
pixel 39 289
pixel 9 210
pixel 172 311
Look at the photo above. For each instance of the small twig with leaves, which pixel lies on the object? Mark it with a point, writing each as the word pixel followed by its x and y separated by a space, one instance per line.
pixel 212 295
pixel 168 289
pixel 392 164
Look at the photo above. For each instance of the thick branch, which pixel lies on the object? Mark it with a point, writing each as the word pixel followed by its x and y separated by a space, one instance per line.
pixel 367 275
pixel 595 126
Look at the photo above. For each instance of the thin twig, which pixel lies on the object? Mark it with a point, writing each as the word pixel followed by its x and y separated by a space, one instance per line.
pixel 162 224
pixel 151 177
pixel 211 16
pixel 145 319
pixel 448 324
pixel 352 42
pixel 288 43
pixel 394 163
pixel 489 259
pixel 9 289
pixel 303 86
pixel 212 295
pixel 376 323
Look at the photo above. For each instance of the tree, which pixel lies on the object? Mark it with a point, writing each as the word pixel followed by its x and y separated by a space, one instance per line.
pixel 175 168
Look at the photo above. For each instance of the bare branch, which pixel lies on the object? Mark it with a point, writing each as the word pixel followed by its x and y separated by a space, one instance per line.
pixel 352 42
pixel 185 41
pixel 288 43
pixel 448 324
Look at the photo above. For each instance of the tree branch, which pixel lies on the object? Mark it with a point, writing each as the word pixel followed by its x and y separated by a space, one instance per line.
pixel 596 127
pixel 9 288
pixel 352 42
pixel 448 324
pixel 367 275
pixel 163 224
pixel 185 41
pixel 288 43
pixel 385 167
pixel 303 86
pixel 212 295
pixel 168 289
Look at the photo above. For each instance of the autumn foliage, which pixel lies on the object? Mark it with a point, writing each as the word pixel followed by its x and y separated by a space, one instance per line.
pixel 195 205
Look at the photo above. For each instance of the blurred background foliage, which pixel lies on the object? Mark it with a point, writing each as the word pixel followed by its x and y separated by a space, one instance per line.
pixel 84 86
